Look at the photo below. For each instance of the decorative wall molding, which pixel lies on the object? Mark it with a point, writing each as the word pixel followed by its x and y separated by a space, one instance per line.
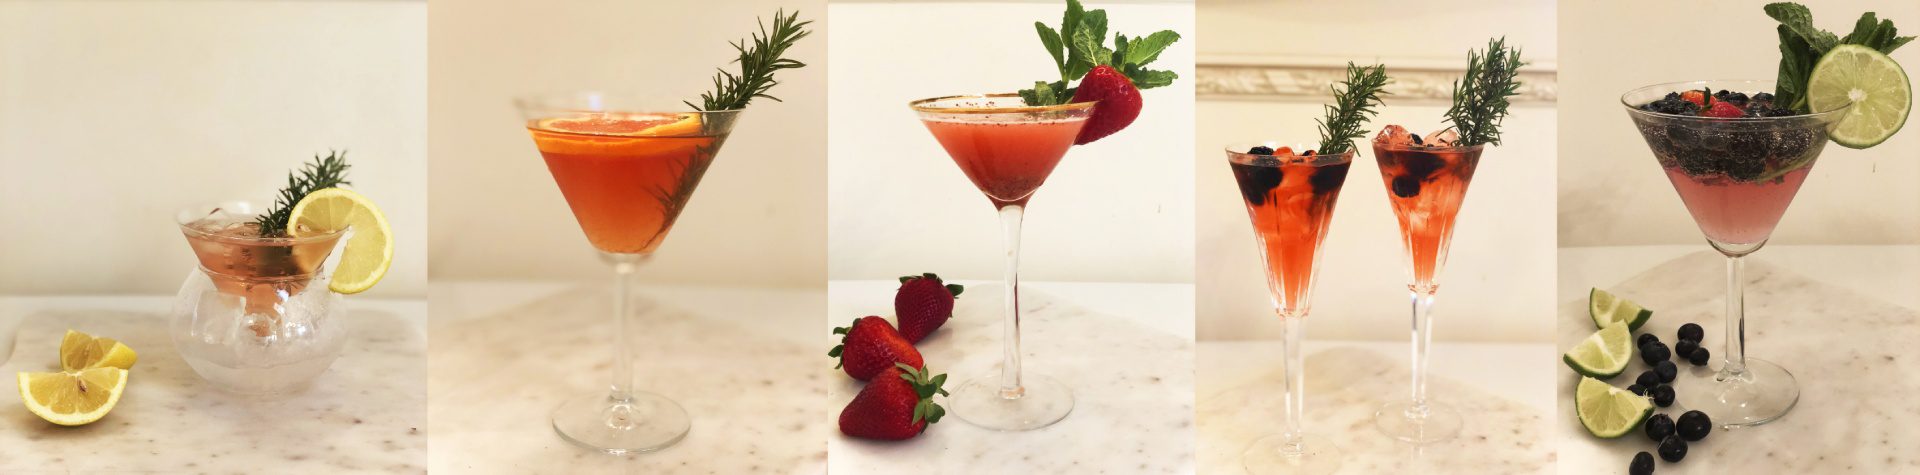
pixel 1311 82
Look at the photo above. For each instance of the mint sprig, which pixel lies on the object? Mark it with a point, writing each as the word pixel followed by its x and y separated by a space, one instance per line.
pixel 1802 44
pixel 1352 107
pixel 1080 45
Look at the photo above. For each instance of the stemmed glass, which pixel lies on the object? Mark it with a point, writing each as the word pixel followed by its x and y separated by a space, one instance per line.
pixel 1290 199
pixel 1007 149
pixel 626 174
pixel 1736 176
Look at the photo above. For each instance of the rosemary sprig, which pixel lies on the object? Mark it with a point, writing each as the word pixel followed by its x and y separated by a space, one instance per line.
pixel 1352 107
pixel 758 61
pixel 1480 97
pixel 322 173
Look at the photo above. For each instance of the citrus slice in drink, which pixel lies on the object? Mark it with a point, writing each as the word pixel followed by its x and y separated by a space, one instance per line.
pixel 79 351
pixel 638 125
pixel 1609 412
pixel 1875 85
pixel 1608 309
pixel 75 397
pixel 367 254
pixel 1603 355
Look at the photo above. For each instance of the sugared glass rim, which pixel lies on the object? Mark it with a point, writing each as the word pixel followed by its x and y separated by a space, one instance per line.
pixel 1238 150
pixel 1758 84
pixel 189 215
pixel 923 105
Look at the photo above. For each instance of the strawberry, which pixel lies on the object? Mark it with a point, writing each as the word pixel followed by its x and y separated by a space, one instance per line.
pixel 897 405
pixel 870 346
pixel 1119 103
pixel 922 304
pixel 1723 109
pixel 1698 98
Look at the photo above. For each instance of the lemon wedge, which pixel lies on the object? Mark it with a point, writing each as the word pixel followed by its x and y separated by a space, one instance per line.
pixel 73 398
pixel 367 254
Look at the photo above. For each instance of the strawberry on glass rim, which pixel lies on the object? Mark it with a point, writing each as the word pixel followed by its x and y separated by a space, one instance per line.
pixel 1110 77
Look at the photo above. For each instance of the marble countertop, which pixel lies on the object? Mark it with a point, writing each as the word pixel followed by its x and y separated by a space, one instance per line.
pixel 1839 318
pixel 1504 390
pixel 746 363
pixel 367 413
pixel 1125 349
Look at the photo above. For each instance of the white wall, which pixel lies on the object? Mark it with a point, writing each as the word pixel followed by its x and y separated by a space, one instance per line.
pixel 1498 283
pixel 1120 209
pixel 114 115
pixel 758 217
pixel 1611 191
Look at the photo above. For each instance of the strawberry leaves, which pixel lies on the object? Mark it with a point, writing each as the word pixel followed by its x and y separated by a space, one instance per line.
pixel 1080 45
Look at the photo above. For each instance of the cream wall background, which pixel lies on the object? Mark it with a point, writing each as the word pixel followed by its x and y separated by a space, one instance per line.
pixel 1498 283
pixel 1612 192
pixel 114 115
pixel 758 217
pixel 1120 209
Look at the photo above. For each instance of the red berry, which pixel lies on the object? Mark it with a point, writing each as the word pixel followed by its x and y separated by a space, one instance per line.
pixel 923 304
pixel 897 405
pixel 870 346
pixel 1723 109
pixel 1698 98
pixel 1119 103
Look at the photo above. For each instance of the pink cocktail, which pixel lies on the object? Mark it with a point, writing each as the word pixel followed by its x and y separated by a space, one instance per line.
pixel 1734 211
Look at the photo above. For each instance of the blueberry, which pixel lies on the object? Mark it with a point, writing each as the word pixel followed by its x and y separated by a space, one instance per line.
pixel 1694 426
pixel 1659 427
pixel 1667 371
pixel 1328 178
pixel 1642 464
pixel 1637 389
pixel 1692 332
pixel 1260 150
pixel 1763 97
pixel 1654 353
pixel 1662 395
pixel 1648 379
pixel 1684 348
pixel 1673 449
pixel 1256 180
pixel 1699 357
pixel 1416 139
pixel 1644 338
pixel 1406 186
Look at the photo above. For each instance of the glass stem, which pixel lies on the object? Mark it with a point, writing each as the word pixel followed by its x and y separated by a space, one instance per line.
pixel 1736 353
pixel 1010 367
pixel 1422 340
pixel 1295 331
pixel 624 266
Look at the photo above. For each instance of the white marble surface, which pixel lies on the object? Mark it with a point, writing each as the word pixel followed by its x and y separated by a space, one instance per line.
pixel 366 414
pixel 1848 350
pixel 1125 349
pixel 745 363
pixel 1504 390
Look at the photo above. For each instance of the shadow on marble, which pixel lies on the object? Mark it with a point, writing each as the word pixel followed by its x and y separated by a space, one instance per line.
pixel 755 400
pixel 1133 393
pixel 1850 353
pixel 366 413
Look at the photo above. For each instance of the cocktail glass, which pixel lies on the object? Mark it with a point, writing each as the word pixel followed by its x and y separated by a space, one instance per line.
pixel 1425 185
pixel 1736 177
pixel 627 175
pixel 1007 149
pixel 1290 199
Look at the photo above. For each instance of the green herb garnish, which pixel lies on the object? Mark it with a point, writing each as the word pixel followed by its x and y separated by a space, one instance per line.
pixel 1802 45
pixel 1480 97
pixel 321 174
pixel 1080 45
pixel 758 61
pixel 1351 107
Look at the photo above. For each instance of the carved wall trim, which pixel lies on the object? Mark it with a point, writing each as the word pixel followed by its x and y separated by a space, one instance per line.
pixel 1310 82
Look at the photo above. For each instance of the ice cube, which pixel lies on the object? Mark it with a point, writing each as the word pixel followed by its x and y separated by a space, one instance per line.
pixel 1443 138
pixel 1393 135
pixel 1283 152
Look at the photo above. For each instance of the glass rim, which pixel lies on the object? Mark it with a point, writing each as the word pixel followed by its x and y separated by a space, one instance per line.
pixel 564 102
pixel 1238 149
pixel 1432 148
pixel 922 105
pixel 189 215
pixel 1676 86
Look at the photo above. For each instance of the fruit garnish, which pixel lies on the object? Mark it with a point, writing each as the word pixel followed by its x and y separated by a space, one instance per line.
pixel 1604 354
pixel 1352 107
pixel 1480 96
pixel 1698 98
pixel 322 173
pixel 1802 44
pixel 1260 150
pixel 1607 309
pixel 1118 103
pixel 923 304
pixel 1872 83
pixel 629 125
pixel 367 254
pixel 80 351
pixel 897 405
pixel 73 398
pixel 870 346
pixel 758 60
pixel 1079 51
pixel 1606 411
pixel 1723 109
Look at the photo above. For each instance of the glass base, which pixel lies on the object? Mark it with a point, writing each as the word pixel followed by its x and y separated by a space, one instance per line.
pixel 1400 421
pixel 1763 393
pixel 1273 455
pixel 647 422
pixel 1040 403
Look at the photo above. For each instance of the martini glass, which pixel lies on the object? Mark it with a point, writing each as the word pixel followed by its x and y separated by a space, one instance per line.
pixel 627 175
pixel 1290 200
pixel 1736 177
pixel 1007 149
pixel 1425 185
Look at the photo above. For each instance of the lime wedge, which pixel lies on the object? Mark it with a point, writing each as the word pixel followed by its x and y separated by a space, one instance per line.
pixel 1603 355
pixel 1872 82
pixel 1608 309
pixel 1609 412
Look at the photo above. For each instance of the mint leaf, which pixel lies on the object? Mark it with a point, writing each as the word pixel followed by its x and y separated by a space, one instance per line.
pixel 1796 18
pixel 1051 40
pixel 1086 46
pixel 1047 93
pixel 1148 78
pixel 1142 51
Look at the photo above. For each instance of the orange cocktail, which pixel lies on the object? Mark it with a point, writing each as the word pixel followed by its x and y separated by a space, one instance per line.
pixel 626 176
